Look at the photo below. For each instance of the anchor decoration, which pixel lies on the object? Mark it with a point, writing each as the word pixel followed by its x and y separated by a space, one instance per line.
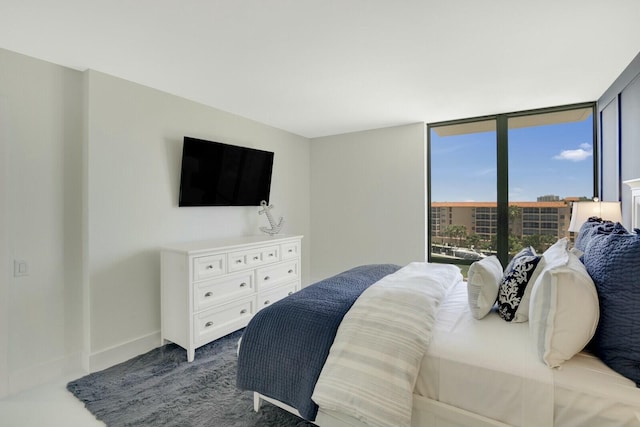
pixel 275 228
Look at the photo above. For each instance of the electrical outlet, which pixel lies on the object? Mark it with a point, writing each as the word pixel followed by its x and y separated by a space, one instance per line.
pixel 20 268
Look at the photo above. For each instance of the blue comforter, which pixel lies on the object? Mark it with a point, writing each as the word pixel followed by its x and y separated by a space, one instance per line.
pixel 286 344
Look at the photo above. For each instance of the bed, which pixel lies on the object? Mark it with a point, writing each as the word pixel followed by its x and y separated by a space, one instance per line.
pixel 476 369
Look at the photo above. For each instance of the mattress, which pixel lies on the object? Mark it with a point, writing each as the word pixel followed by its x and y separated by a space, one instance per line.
pixel 490 367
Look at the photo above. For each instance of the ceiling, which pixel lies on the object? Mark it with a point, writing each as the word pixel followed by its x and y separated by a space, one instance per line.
pixel 325 67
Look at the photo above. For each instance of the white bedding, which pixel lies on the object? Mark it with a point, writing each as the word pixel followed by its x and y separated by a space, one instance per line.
pixel 490 367
pixel 374 361
pixel 486 366
pixel 587 392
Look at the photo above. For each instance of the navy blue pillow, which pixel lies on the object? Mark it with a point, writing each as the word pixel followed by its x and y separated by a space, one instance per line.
pixel 587 231
pixel 609 227
pixel 613 261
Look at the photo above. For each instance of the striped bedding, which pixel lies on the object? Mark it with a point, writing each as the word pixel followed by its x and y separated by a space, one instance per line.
pixel 298 331
pixel 374 361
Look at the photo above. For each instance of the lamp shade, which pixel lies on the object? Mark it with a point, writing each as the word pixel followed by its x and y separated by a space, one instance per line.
pixel 582 211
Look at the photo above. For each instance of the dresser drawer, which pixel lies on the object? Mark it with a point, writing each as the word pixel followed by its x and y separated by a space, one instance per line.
pixel 290 250
pixel 248 258
pixel 208 266
pixel 274 275
pixel 216 322
pixel 219 290
pixel 268 298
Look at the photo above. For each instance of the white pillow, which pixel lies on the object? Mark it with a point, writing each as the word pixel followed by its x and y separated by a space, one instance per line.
pixel 483 280
pixel 557 254
pixel 563 311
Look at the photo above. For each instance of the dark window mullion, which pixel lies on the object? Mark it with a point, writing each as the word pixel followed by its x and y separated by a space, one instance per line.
pixel 597 160
pixel 502 142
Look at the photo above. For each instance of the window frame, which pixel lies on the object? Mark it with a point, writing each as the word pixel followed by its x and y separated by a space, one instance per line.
pixel 502 164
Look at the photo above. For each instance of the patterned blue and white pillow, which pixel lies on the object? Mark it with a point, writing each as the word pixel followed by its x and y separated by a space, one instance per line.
pixel 514 292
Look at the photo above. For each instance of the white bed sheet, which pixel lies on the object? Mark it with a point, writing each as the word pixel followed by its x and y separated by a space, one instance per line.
pixel 588 392
pixel 490 367
pixel 486 366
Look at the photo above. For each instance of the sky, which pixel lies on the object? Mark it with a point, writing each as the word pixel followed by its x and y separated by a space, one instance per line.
pixel 551 159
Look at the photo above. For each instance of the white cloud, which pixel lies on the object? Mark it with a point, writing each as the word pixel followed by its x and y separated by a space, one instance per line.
pixel 584 152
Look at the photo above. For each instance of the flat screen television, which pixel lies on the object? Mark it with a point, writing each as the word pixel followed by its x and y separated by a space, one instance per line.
pixel 217 174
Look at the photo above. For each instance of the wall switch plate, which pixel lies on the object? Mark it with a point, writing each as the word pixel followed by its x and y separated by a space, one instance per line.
pixel 20 268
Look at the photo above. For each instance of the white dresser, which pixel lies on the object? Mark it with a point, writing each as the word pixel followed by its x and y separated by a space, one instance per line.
pixel 212 288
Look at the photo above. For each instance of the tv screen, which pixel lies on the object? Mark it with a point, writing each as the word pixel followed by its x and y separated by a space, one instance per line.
pixel 217 174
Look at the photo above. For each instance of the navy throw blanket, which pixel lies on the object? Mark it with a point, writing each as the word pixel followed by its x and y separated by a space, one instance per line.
pixel 285 345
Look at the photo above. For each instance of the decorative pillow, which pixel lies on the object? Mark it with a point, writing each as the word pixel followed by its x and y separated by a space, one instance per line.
pixel 563 311
pixel 513 293
pixel 613 262
pixel 528 251
pixel 587 231
pixel 609 227
pixel 483 280
pixel 556 254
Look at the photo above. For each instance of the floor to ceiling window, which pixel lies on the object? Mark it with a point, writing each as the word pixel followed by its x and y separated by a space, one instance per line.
pixel 499 183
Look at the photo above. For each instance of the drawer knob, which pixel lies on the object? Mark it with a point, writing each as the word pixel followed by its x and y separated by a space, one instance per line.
pixel 208 294
pixel 290 271
pixel 243 311
pixel 267 302
pixel 266 278
pixel 290 250
pixel 210 267
pixel 256 258
pixel 243 284
pixel 208 324
pixel 291 293
pixel 271 255
pixel 238 261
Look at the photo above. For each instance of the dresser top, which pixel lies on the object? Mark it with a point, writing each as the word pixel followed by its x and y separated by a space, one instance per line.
pixel 229 243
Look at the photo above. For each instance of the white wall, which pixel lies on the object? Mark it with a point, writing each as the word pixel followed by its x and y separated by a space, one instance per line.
pixel 89 184
pixel 368 199
pixel 40 131
pixel 134 145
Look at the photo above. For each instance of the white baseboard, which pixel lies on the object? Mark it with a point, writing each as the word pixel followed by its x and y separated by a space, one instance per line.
pixel 61 368
pixel 119 353
pixel 44 373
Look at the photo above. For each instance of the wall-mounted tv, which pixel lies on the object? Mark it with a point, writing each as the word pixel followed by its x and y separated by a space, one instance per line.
pixel 217 174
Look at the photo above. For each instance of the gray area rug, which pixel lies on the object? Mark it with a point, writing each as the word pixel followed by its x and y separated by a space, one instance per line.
pixel 160 388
